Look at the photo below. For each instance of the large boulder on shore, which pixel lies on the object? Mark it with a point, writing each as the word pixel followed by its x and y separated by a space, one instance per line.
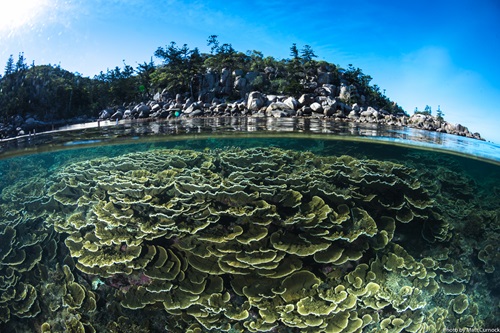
pixel 370 112
pixel 330 110
pixel 127 114
pixel 316 107
pixel 142 110
pixel 240 84
pixel 344 92
pixel 255 101
pixel 105 114
pixel 306 99
pixel 279 109
pixel 292 103
pixel 353 115
pixel 117 115
pixel 193 107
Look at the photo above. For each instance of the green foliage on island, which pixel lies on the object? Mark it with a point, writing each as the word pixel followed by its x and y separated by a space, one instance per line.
pixel 428 112
pixel 50 92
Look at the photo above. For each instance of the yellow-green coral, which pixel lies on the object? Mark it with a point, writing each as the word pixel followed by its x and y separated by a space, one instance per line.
pixel 243 240
pixel 257 217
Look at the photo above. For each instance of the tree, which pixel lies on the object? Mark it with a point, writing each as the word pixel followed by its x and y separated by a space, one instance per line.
pixel 439 113
pixel 9 67
pixel 288 79
pixel 224 56
pixel 355 75
pixel 307 53
pixel 144 72
pixel 173 55
pixel 116 86
pixel 294 52
pixel 256 60
pixel 180 64
pixel 194 70
pixel 213 42
pixel 47 92
pixel 428 109
pixel 21 63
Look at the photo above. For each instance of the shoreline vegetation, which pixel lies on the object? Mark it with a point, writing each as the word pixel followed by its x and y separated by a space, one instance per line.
pixel 188 83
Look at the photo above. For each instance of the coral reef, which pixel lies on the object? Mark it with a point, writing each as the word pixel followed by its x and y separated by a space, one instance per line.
pixel 237 240
pixel 22 242
pixel 224 236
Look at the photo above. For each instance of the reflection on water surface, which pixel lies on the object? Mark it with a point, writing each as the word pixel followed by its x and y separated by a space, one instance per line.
pixel 110 132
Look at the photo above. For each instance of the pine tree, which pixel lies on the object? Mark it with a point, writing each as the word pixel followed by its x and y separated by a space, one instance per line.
pixel 439 113
pixel 307 53
pixel 428 109
pixel 21 63
pixel 294 52
pixel 9 68
pixel 213 42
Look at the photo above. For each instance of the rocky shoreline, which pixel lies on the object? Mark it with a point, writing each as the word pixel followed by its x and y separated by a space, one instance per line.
pixel 255 104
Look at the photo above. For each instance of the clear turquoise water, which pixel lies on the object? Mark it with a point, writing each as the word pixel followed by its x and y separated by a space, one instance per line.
pixel 374 171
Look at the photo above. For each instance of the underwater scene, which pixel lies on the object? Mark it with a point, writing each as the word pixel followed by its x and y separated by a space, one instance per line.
pixel 258 232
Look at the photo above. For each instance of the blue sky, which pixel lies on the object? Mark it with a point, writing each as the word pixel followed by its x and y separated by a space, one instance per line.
pixel 421 52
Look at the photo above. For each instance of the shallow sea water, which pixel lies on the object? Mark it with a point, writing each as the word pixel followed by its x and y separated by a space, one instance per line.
pixel 248 226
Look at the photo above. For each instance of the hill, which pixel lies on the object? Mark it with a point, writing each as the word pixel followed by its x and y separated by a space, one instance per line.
pixel 188 83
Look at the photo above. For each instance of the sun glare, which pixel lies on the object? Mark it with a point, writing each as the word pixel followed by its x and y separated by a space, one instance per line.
pixel 21 14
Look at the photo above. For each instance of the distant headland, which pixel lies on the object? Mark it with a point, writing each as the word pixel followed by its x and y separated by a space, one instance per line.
pixel 188 83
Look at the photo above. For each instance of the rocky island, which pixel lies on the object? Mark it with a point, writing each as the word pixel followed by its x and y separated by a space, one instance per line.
pixel 187 84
